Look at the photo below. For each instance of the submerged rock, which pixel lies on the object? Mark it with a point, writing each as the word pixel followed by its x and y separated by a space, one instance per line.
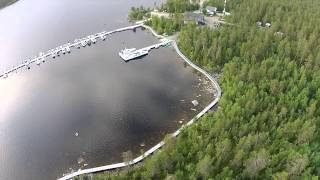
pixel 195 103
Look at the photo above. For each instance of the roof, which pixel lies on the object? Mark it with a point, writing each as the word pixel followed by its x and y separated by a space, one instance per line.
pixel 268 24
pixel 213 9
pixel 189 16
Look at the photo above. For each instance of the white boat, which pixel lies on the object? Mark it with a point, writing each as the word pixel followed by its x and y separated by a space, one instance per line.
pixel 58 51
pixel 103 37
pixel 5 76
pixel 27 62
pixel 83 43
pixel 68 49
pixel 127 51
pixel 93 40
pixel 129 54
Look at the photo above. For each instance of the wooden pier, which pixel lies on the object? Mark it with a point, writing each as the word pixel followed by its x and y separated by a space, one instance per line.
pixel 66 48
pixel 156 46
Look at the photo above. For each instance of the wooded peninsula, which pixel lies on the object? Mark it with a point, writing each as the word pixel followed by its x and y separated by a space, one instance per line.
pixel 267 123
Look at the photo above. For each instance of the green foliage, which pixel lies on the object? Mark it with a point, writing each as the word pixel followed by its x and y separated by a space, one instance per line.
pixel 166 25
pixel 138 13
pixel 204 166
pixel 268 120
pixel 179 6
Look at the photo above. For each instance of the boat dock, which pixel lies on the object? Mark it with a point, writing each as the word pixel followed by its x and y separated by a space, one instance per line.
pixel 66 48
pixel 164 42
pixel 130 54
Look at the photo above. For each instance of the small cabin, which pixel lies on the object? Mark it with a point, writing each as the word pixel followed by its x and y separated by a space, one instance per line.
pixel 211 10
pixel 194 17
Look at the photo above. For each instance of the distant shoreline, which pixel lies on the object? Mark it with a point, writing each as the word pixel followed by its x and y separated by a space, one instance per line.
pixel 5 3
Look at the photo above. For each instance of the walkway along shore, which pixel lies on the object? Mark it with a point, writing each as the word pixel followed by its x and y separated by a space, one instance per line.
pixel 175 134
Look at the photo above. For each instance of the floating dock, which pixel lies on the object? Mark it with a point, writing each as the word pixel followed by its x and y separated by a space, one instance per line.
pixel 130 54
pixel 66 48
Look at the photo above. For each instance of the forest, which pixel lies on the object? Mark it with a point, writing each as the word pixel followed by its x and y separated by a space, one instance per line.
pixel 138 13
pixel 166 26
pixel 179 6
pixel 267 123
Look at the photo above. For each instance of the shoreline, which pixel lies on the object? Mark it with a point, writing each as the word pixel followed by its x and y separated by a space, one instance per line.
pixel 175 134
pixel 6 4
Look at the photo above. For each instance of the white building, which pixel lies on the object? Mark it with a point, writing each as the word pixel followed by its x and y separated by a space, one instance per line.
pixel 268 25
pixel 211 10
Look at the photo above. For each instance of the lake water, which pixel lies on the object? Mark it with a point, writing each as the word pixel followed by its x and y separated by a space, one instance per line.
pixel 111 105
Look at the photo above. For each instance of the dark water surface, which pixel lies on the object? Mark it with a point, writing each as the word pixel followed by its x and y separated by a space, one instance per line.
pixel 113 106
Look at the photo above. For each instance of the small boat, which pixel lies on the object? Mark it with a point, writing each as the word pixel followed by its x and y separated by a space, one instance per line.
pixel 68 49
pixel 103 37
pixel 128 50
pixel 27 62
pixel 5 76
pixel 93 40
pixel 83 43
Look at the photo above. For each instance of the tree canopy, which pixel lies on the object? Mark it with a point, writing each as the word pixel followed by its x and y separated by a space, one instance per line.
pixel 267 123
pixel 179 6
pixel 166 25
pixel 138 13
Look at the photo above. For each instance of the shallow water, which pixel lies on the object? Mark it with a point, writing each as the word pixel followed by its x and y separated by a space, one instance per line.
pixel 85 108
